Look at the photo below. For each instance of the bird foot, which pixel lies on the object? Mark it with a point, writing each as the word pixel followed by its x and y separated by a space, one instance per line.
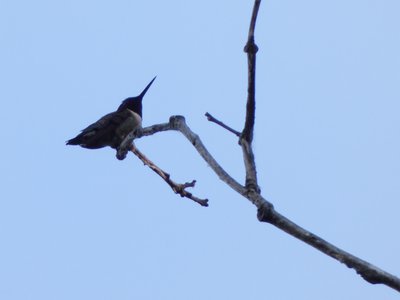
pixel 121 153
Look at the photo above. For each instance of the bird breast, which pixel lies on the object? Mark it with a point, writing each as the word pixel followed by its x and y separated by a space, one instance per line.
pixel 132 121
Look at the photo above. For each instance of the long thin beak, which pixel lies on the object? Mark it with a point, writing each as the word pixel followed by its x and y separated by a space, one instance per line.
pixel 146 88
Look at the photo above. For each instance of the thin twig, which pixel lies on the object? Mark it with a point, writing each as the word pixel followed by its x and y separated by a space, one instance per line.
pixel 176 187
pixel 253 19
pixel 214 120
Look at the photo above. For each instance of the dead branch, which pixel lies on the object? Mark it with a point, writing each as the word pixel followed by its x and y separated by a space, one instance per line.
pixel 246 137
pixel 251 191
pixel 176 187
pixel 214 120
pixel 267 213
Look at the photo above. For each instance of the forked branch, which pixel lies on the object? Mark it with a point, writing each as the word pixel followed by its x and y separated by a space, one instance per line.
pixel 251 191
pixel 267 213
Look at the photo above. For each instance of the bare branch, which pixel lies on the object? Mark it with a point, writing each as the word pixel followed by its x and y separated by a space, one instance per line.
pixel 179 123
pixel 251 191
pixel 250 166
pixel 253 19
pixel 369 272
pixel 214 120
pixel 267 213
pixel 251 50
pixel 177 188
pixel 247 133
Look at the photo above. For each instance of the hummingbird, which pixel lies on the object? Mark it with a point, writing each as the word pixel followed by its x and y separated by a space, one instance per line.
pixel 112 129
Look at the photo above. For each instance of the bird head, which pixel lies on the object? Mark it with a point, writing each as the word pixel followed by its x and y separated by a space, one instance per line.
pixel 135 103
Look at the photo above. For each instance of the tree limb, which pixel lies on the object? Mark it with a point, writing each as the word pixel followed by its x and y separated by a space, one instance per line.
pixel 267 213
pixel 251 191
pixel 368 271
pixel 178 123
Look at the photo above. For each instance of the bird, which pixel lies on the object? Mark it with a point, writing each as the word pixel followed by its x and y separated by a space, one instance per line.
pixel 112 129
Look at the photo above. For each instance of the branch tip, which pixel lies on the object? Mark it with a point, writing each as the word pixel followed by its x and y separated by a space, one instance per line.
pixel 190 184
pixel 176 187
pixel 214 120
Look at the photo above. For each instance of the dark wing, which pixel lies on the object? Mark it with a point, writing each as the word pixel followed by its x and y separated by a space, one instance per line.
pixel 101 133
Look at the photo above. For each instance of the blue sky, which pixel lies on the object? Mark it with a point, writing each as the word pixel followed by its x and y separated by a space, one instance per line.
pixel 79 224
